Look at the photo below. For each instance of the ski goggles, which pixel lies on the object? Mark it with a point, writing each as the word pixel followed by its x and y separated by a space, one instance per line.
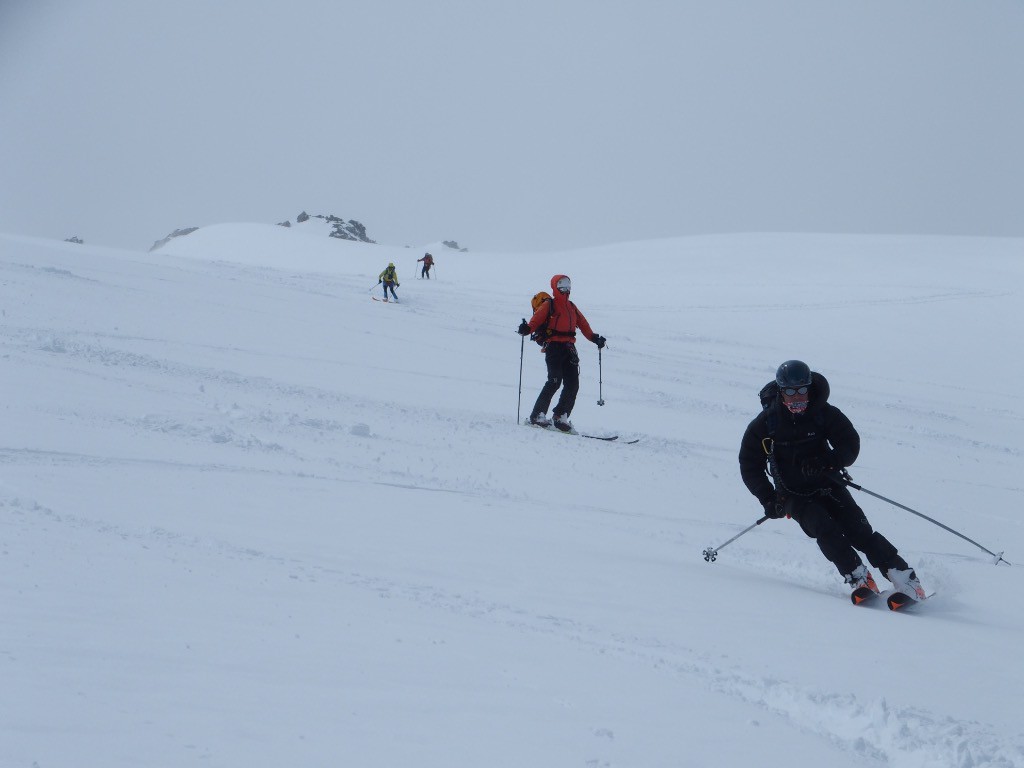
pixel 564 285
pixel 790 391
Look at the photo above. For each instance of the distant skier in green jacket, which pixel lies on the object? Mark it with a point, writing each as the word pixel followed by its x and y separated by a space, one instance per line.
pixel 390 279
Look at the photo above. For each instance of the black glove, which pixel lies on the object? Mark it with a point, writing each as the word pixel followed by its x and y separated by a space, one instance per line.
pixel 774 509
pixel 600 341
pixel 524 328
pixel 813 466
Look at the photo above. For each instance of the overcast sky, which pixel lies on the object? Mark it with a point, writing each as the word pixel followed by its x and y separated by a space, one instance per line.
pixel 512 125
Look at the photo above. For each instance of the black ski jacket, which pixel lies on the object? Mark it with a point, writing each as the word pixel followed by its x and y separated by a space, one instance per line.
pixel 822 431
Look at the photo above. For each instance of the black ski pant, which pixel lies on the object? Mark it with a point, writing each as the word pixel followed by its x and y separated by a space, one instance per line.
pixel 833 519
pixel 391 285
pixel 425 272
pixel 563 371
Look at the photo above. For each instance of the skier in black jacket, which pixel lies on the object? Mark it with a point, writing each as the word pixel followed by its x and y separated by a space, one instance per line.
pixel 800 441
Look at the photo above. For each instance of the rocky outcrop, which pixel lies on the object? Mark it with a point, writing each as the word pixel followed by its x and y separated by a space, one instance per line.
pixel 343 230
pixel 174 234
pixel 339 227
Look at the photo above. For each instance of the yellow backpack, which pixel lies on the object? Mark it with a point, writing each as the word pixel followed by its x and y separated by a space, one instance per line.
pixel 539 299
pixel 541 334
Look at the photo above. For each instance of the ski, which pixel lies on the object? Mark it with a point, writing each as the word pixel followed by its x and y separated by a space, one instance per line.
pixel 605 438
pixel 552 428
pixel 386 301
pixel 898 601
pixel 862 595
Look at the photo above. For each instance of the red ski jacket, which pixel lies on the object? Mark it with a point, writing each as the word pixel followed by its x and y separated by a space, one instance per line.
pixel 562 317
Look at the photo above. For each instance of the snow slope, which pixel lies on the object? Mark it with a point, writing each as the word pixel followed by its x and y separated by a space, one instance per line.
pixel 249 517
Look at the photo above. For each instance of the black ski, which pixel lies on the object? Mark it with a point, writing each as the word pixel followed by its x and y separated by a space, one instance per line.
pixel 606 438
pixel 898 601
pixel 862 595
pixel 611 438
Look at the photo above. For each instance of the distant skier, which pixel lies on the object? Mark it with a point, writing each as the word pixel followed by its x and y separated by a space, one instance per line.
pixel 561 318
pixel 428 262
pixel 800 440
pixel 390 279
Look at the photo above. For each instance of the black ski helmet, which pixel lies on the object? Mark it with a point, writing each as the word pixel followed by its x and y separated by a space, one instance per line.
pixel 793 373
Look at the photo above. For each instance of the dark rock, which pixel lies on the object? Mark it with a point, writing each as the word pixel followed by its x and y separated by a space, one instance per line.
pixel 346 230
pixel 175 233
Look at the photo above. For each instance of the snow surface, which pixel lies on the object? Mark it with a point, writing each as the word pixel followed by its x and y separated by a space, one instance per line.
pixel 249 517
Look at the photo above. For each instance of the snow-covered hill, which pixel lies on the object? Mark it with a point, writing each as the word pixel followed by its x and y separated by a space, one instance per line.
pixel 250 517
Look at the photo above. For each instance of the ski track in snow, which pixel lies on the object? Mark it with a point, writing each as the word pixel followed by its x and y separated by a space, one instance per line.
pixel 238 424
pixel 875 731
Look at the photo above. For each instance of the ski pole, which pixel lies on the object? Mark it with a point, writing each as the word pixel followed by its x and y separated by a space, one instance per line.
pixel 711 553
pixel 519 402
pixel 600 379
pixel 844 476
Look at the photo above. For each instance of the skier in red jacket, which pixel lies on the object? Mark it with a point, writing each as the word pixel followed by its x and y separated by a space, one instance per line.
pixel 560 318
pixel 428 262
